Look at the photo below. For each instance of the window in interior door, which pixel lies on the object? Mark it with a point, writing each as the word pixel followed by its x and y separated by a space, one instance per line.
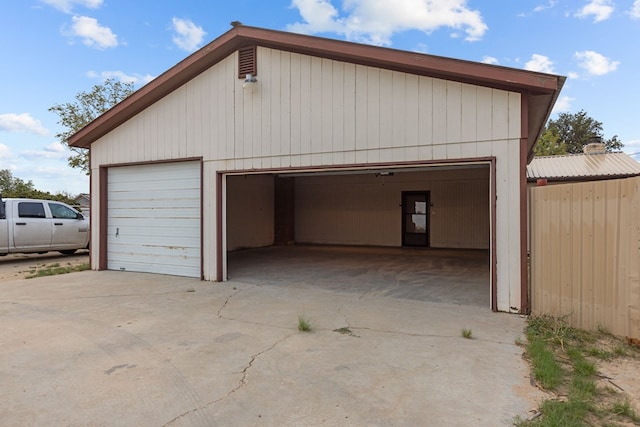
pixel 415 218
pixel 31 210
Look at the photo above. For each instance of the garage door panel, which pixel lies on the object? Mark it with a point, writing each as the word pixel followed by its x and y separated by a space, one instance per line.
pixel 159 171
pixel 126 202
pixel 165 187
pixel 156 265
pixel 133 236
pixel 187 214
pixel 151 183
pixel 138 241
pixel 144 228
pixel 158 251
pixel 154 219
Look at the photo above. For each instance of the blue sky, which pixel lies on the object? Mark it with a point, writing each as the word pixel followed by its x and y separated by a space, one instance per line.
pixel 53 49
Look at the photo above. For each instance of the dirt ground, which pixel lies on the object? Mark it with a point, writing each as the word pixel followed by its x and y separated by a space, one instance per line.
pixel 622 374
pixel 18 266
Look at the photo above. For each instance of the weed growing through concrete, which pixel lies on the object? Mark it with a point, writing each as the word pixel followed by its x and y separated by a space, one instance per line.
pixel 467 333
pixel 304 325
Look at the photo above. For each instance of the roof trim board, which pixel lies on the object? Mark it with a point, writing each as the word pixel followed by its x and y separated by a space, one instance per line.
pixel 543 87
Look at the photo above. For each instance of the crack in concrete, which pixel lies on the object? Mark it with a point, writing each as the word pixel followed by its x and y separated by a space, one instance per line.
pixel 350 326
pixel 243 380
pixel 244 372
pixel 184 414
pixel 224 304
pixel 344 316
pixel 246 322
pixel 409 334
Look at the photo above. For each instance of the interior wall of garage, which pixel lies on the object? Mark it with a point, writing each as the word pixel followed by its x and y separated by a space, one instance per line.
pixel 366 209
pixel 250 211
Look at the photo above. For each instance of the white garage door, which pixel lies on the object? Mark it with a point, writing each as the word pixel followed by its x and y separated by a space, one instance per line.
pixel 154 218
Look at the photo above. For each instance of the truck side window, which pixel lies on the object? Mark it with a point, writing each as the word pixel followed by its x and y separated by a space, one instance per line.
pixel 2 208
pixel 61 211
pixel 31 210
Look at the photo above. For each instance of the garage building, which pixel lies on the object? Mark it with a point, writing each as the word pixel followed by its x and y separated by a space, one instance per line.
pixel 264 137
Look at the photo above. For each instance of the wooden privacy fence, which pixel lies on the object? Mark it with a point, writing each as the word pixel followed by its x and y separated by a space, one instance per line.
pixel 585 254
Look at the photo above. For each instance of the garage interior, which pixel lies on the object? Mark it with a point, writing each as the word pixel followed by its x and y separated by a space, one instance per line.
pixel 419 233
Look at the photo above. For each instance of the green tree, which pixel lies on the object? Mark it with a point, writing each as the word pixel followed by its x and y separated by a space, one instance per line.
pixel 87 107
pixel 549 144
pixel 11 186
pixel 573 132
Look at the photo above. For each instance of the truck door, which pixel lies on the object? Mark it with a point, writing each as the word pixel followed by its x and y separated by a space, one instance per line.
pixel 31 227
pixel 4 230
pixel 68 230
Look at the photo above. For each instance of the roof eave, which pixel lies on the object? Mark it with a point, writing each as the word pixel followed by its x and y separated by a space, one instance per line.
pixel 537 124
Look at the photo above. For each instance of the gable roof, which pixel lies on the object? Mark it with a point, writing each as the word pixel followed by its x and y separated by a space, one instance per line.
pixel 541 89
pixel 583 167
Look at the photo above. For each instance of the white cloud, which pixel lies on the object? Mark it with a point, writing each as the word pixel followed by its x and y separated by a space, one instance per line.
pixel 632 148
pixel 5 152
pixel 421 48
pixel 546 6
pixel 12 122
pixel 489 60
pixel 188 35
pixel 595 63
pixel 635 10
pixel 563 104
pixel 55 177
pixel 92 33
pixel 54 150
pixel 539 63
pixel 573 75
pixel 601 10
pixel 67 5
pixel 136 79
pixel 375 21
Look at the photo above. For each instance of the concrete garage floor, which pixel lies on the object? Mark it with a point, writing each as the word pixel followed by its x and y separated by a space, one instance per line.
pixel 128 349
pixel 436 275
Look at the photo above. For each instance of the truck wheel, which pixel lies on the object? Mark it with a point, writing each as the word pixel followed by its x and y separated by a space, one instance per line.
pixel 68 252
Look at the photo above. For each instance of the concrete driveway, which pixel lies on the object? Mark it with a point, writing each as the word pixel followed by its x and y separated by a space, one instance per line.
pixel 126 349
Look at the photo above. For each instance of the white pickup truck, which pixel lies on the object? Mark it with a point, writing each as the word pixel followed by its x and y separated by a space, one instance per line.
pixel 31 225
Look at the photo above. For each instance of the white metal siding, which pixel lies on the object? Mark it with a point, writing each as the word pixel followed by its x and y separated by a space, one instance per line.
pixel 154 218
pixel 309 112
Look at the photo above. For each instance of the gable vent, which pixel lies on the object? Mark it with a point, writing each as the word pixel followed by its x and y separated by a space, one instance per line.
pixel 247 62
